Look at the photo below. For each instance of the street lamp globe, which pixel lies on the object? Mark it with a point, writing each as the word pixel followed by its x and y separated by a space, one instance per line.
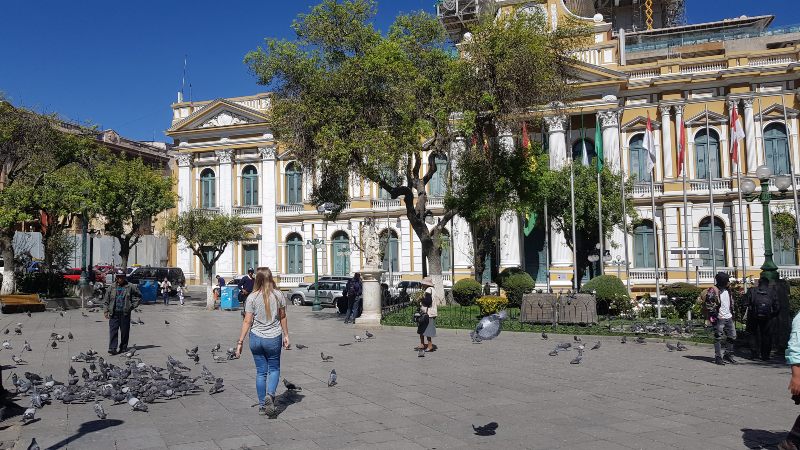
pixel 748 186
pixel 783 182
pixel 763 172
pixel 593 258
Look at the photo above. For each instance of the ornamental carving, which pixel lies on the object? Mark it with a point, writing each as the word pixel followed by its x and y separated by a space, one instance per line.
pixel 679 110
pixel 608 119
pixel 224 156
pixel 184 160
pixel 372 248
pixel 665 110
pixel 224 119
pixel 556 124
pixel 267 152
pixel 748 102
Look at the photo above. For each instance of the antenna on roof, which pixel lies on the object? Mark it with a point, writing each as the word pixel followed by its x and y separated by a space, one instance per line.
pixel 183 79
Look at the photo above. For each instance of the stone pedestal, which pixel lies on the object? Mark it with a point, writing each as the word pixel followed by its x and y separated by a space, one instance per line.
pixel 371 313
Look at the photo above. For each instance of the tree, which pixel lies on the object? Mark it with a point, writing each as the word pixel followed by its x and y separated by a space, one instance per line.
pixel 207 235
pixel 555 186
pixel 129 195
pixel 348 99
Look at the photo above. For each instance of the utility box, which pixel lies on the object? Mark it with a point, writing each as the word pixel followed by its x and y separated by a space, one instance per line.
pixel 229 298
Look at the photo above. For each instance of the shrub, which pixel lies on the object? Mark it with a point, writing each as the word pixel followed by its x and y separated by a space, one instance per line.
pixel 507 272
pixel 491 304
pixel 516 285
pixel 466 290
pixel 683 296
pixel 610 293
pixel 794 297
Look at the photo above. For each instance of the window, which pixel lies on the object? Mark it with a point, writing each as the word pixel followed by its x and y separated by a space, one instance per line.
pixel 643 240
pixel 294 254
pixel 209 252
pixel 577 151
pixel 249 257
pixel 638 159
pixel 776 148
pixel 438 182
pixel 341 254
pixel 249 186
pixel 294 183
pixel 208 189
pixel 390 252
pixel 706 152
pixel 784 247
pixel 719 242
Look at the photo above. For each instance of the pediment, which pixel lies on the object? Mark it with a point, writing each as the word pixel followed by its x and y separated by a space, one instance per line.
pixel 713 118
pixel 219 113
pixel 589 73
pixel 639 123
pixel 775 112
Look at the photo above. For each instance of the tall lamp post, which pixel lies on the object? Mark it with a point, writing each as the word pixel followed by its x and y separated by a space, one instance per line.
pixel 769 269
pixel 315 244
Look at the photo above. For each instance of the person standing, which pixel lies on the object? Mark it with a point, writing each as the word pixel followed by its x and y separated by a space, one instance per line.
pixel 179 291
pixel 427 307
pixel 117 306
pixel 354 293
pixel 165 287
pixel 268 329
pixel 764 308
pixel 246 286
pixel 718 305
pixel 792 441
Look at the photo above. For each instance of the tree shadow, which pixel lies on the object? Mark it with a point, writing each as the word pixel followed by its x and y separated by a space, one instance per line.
pixel 708 359
pixel 85 428
pixel 762 438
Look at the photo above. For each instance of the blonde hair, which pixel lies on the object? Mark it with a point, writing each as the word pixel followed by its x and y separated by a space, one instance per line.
pixel 265 283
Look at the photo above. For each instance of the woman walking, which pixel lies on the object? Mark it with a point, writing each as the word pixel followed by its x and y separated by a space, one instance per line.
pixel 427 307
pixel 265 320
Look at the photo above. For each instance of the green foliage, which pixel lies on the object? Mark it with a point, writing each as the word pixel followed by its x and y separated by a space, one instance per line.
pixel 610 293
pixel 491 304
pixel 784 228
pixel 683 296
pixel 794 297
pixel 59 249
pixel 505 273
pixel 466 290
pixel 516 285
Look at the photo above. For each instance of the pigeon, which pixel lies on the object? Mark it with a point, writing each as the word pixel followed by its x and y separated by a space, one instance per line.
pixel 597 346
pixel 217 387
pixel 545 336
pixel 166 322
pixel 6 332
pixel 576 338
pixel 26 347
pixel 34 445
pixel 216 348
pixel 641 340
pixel 54 344
pixel 29 315
pixel 421 352
pixel 70 336
pixel 623 340
pixel 681 347
pixel 291 386
pixel 358 338
pixel 85 374
pixel 18 330
pixel 196 358
pixel 332 378
pixel 488 327
pixel 554 352
pixel 7 345
pixel 490 429
pixel 580 347
pixel 346 344
pixel 564 345
pixel 28 415
pixel 577 359
pixel 368 334
pixel 136 404
pixel 61 313
pixel 300 346
pixel 671 347
pixel 71 371
pixel 325 358
pixel 18 360
pixel 475 338
pixel 98 409
pixel 83 314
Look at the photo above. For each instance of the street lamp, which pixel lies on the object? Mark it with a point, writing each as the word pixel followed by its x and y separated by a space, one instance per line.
pixel 769 269
pixel 315 244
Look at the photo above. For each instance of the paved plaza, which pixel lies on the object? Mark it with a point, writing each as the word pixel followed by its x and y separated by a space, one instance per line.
pixel 621 397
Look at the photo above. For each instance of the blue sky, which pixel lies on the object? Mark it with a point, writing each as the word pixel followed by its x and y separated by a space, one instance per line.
pixel 118 64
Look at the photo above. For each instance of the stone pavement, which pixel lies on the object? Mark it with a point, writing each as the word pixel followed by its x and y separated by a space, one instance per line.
pixel 621 397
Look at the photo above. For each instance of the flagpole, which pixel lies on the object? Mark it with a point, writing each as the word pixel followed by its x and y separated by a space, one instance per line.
pixel 547 245
pixel 653 207
pixel 682 144
pixel 791 160
pixel 572 208
pixel 734 136
pixel 710 196
pixel 624 205
pixel 598 165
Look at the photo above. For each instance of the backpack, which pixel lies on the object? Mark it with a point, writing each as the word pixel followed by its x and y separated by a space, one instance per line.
pixel 711 302
pixel 764 306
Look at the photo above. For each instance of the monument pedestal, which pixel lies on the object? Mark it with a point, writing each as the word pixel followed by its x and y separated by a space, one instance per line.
pixel 371 291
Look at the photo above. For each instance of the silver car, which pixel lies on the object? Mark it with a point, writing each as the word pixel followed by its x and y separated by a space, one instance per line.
pixel 330 293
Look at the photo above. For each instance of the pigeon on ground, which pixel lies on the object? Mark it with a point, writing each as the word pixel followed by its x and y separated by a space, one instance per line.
pixel 681 347
pixel 217 387
pixel 545 336
pixel 98 409
pixel 577 359
pixel 475 338
pixel 7 345
pixel 641 340
pixel 166 322
pixel 554 352
pixel 368 334
pixel 17 360
pixel 564 345
pixel 490 429
pixel 332 378
pixel 29 414
pixel 580 347
pixel 489 327
pixel 136 404
pixel 17 330
pixel 34 445
pixel 357 338
pixel 576 338
pixel 325 358
pixel 83 314
pixel 671 347
pixel 70 336
pixel 141 322
pixel 300 346
pixel 29 315
pixel 597 346
pixel 61 313
pixel 26 347
pixel 421 353
pixel 623 340
pixel 7 331
pixel 216 348
pixel 196 358
pixel 291 386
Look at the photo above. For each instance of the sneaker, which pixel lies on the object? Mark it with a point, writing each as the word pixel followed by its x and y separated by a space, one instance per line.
pixel 729 358
pixel 262 411
pixel 112 352
pixel 718 361
pixel 270 410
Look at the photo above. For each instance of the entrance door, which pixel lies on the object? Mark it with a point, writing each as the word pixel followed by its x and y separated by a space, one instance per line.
pixel 249 257
pixel 341 255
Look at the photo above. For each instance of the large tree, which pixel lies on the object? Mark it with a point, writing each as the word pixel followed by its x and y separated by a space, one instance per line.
pixel 129 195
pixel 349 100
pixel 207 235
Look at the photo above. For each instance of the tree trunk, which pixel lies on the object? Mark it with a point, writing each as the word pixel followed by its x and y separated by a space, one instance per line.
pixel 434 257
pixel 210 290
pixel 124 252
pixel 7 249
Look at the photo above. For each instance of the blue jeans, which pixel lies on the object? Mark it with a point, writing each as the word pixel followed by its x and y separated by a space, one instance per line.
pixel 267 356
pixel 165 295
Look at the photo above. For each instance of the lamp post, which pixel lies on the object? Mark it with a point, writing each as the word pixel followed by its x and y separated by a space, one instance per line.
pixel 315 244
pixel 769 269
pixel 618 261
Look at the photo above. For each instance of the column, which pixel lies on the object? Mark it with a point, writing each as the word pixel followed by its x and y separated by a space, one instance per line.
pixel 510 240
pixel 225 264
pixel 561 255
pixel 678 121
pixel 184 257
pixel 269 246
pixel 666 139
pixel 750 136
pixel 609 123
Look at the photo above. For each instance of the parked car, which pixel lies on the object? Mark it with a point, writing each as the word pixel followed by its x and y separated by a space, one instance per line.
pixel 330 293
pixel 326 278
pixel 173 274
pixel 405 288
pixel 73 276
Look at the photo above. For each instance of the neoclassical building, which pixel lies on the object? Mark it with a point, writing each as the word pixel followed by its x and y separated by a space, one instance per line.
pixel 695 75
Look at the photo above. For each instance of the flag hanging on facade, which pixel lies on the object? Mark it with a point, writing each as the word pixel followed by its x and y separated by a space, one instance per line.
pixel 530 223
pixel 650 145
pixel 681 146
pixel 737 134
pixel 526 142
pixel 598 146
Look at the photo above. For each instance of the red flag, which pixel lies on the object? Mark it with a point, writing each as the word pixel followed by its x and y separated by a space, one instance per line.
pixel 736 135
pixel 526 142
pixel 681 145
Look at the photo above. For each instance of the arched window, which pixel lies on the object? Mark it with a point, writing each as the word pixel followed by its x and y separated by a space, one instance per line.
pixel 706 153
pixel 391 257
pixel 784 245
pixel 577 151
pixel 294 183
pixel 249 186
pixel 776 148
pixel 719 241
pixel 341 253
pixel 208 189
pixel 643 240
pixel 438 182
pixel 294 254
pixel 446 252
pixel 638 159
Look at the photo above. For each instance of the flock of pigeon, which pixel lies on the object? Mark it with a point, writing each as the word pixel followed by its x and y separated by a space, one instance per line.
pixel 580 346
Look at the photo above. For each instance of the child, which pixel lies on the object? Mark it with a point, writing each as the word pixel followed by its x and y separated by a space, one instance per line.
pixel 180 293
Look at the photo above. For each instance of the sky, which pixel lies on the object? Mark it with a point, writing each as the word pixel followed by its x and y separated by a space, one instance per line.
pixel 118 64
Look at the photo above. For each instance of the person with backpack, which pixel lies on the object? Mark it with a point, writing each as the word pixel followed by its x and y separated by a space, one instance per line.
pixel 718 308
pixel 764 308
pixel 353 292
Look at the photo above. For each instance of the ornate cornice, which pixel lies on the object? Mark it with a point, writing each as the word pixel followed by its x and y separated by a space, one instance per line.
pixel 748 102
pixel 608 119
pixel 679 109
pixel 224 156
pixel 556 124
pixel 225 118
pixel 665 110
pixel 267 153
pixel 185 160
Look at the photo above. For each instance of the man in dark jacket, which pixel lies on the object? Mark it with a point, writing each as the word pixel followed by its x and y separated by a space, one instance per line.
pixel 117 306
pixel 764 308
pixel 353 290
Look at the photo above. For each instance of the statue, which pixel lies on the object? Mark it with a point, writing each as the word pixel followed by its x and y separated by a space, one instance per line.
pixel 372 247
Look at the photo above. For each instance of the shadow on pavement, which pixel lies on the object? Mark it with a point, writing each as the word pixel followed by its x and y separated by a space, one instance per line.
pixel 286 400
pixel 85 428
pixel 708 359
pixel 762 438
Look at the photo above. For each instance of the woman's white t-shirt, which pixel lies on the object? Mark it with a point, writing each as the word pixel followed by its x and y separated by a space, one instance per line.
pixel 263 326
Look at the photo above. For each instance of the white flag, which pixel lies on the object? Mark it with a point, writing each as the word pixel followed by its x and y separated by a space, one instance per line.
pixel 584 156
pixel 650 145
